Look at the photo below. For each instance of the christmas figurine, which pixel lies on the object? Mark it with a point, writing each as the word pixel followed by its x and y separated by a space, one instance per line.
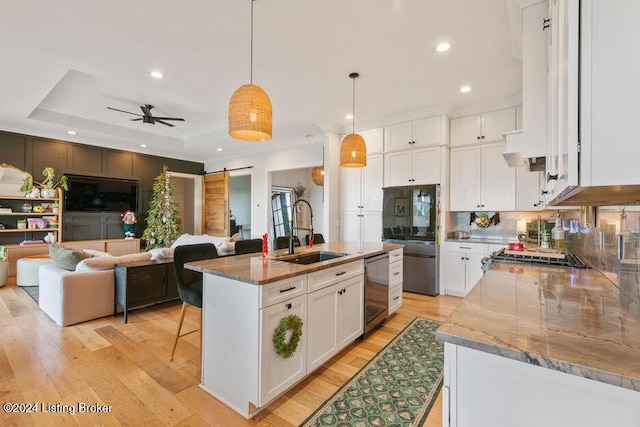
pixel 129 219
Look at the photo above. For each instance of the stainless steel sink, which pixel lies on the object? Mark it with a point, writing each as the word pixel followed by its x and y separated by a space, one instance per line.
pixel 313 257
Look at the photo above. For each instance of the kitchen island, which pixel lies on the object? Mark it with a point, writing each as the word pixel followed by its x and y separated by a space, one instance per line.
pixel 536 345
pixel 247 299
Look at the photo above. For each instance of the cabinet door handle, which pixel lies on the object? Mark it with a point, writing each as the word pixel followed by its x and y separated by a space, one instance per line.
pixel 544 192
pixel 396 273
pixel 464 247
pixel 287 290
pixel 478 138
pixel 482 137
pixel 341 273
pixel 289 306
pixel 462 258
pixel 552 177
pixel 546 23
pixel 467 259
pixel 396 298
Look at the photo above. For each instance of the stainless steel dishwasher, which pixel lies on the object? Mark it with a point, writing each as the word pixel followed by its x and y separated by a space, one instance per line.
pixel 376 291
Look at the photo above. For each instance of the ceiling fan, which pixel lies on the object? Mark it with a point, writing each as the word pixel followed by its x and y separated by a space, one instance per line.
pixel 147 117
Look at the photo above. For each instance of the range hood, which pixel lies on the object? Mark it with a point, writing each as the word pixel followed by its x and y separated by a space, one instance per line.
pixel 519 154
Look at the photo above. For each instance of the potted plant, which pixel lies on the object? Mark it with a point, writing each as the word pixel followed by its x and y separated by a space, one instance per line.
pixel 22 223
pixel 28 189
pixel 49 185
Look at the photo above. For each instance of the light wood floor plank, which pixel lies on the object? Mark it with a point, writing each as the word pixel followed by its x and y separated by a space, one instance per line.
pixel 127 366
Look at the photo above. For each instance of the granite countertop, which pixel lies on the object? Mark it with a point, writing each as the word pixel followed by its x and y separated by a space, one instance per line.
pixel 570 320
pixel 252 268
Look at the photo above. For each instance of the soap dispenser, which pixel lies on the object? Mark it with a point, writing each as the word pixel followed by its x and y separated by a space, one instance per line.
pixel 557 234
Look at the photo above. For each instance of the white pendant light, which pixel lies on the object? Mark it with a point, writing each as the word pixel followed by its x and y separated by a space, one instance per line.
pixel 353 150
pixel 250 114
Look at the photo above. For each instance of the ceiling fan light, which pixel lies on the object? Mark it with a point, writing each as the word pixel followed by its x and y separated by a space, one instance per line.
pixel 317 175
pixel 250 114
pixel 353 152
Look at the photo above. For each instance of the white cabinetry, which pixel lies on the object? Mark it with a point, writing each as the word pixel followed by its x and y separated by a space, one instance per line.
pixel 481 179
pixel 276 373
pixel 418 133
pixel 412 167
pixel 528 191
pixel 395 280
pixel 461 267
pixel 361 201
pixel 374 138
pixel 483 127
pixel 336 317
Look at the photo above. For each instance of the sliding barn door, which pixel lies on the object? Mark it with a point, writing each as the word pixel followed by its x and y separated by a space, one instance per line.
pixel 216 204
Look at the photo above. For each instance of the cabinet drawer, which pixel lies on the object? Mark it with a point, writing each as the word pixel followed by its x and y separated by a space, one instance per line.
pixel 329 276
pixel 395 255
pixel 146 284
pixel 281 290
pixel 395 298
pixel 469 248
pixel 395 273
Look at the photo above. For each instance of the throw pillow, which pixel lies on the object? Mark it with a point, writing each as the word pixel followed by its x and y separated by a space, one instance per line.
pixel 159 254
pixel 65 258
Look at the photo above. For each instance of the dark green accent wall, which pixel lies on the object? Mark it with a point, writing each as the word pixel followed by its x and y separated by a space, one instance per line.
pixel 33 154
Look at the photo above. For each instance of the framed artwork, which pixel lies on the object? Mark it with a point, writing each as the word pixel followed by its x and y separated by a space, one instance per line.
pixel 401 206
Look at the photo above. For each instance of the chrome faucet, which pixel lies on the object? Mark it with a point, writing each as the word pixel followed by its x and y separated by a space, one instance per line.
pixel 291 238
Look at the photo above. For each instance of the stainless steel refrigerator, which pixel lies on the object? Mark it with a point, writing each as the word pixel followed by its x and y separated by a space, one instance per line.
pixel 411 216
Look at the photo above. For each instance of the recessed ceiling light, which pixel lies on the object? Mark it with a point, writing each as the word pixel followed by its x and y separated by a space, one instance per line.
pixel 219 149
pixel 443 47
pixel 157 74
pixel 465 89
pixel 349 117
pixel 143 145
pixel 71 132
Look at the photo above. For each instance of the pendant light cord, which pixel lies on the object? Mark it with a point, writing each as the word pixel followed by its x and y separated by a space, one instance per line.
pixel 353 123
pixel 251 50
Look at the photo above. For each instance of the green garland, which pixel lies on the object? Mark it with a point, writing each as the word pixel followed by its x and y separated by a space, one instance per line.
pixel 291 323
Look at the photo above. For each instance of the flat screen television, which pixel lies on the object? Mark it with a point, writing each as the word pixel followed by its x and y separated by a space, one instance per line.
pixel 98 194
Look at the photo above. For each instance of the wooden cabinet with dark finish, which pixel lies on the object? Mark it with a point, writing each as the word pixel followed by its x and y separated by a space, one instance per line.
pixel 86 159
pixel 49 153
pixel 143 283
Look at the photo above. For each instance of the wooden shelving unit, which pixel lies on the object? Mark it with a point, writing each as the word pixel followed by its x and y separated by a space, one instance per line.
pixel 10 220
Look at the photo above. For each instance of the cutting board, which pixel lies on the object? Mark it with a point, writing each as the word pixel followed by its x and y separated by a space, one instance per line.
pixel 537 252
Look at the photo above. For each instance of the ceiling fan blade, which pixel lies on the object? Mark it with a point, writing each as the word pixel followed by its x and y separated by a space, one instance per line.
pixel 164 123
pixel 135 120
pixel 168 118
pixel 122 111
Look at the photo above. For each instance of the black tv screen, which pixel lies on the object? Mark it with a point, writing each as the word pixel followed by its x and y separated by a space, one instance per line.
pixel 97 194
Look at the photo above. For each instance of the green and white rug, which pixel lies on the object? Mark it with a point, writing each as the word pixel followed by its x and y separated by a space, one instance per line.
pixel 396 388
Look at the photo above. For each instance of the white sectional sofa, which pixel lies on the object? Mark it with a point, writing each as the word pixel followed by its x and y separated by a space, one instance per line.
pixel 70 297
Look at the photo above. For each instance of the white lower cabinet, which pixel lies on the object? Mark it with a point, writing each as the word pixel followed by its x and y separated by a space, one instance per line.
pixel 461 267
pixel 277 373
pixel 335 318
pixel 396 272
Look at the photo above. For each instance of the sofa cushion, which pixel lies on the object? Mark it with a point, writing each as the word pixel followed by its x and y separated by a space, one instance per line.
pixel 65 258
pixel 108 263
pixel 93 253
pixel 159 254
pixel 192 239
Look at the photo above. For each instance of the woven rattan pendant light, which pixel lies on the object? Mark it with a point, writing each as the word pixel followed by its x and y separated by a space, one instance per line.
pixel 317 175
pixel 250 115
pixel 353 151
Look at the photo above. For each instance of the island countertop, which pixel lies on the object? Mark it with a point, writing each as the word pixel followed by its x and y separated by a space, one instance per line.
pixel 569 320
pixel 252 268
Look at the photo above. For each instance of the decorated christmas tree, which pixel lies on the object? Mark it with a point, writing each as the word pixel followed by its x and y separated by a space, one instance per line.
pixel 164 225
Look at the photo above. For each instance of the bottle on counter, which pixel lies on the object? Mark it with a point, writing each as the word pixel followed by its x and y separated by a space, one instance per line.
pixel 557 234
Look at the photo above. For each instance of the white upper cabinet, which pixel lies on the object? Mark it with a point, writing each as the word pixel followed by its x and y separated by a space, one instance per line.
pixel 361 188
pixel 374 138
pixel 483 127
pixel 481 179
pixel 418 133
pixel 412 167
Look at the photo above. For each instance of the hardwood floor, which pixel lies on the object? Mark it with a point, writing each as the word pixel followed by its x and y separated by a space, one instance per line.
pixel 125 368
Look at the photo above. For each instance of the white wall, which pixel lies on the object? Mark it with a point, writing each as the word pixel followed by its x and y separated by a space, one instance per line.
pixel 305 155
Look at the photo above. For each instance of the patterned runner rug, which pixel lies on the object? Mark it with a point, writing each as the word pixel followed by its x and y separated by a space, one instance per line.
pixel 396 388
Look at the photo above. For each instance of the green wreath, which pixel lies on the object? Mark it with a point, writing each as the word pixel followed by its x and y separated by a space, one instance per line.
pixel 291 323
